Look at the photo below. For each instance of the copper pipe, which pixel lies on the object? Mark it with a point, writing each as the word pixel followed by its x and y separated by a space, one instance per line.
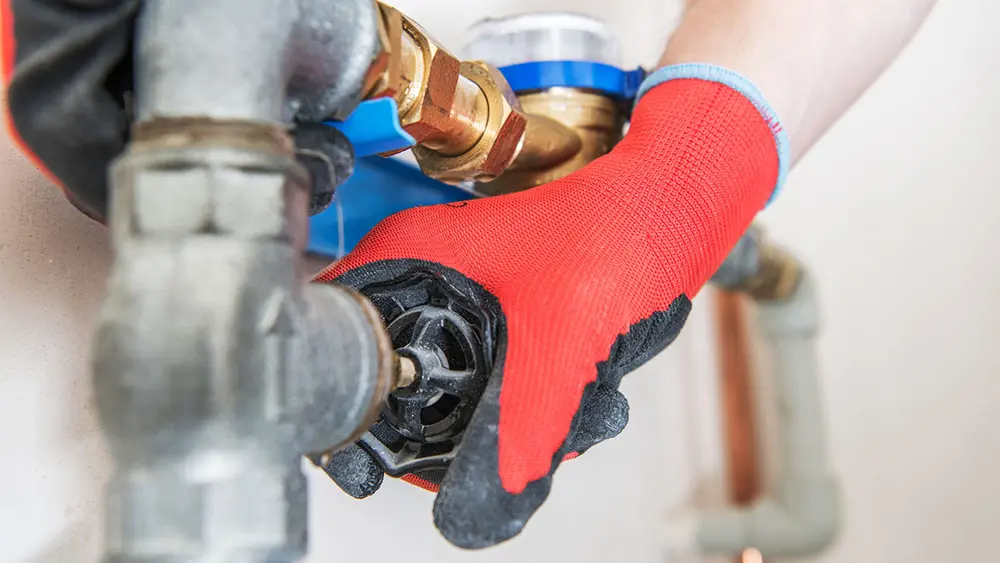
pixel 738 412
pixel 736 388
pixel 737 397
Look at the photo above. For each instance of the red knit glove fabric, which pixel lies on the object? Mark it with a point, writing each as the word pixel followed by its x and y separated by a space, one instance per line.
pixel 576 263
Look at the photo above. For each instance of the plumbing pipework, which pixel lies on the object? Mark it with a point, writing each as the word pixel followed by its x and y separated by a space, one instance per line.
pixel 215 367
pixel 571 115
pixel 801 513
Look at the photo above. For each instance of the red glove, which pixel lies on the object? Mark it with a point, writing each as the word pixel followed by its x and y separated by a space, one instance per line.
pixel 590 276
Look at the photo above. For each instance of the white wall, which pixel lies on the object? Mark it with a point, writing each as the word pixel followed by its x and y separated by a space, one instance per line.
pixel 896 210
pixel 893 210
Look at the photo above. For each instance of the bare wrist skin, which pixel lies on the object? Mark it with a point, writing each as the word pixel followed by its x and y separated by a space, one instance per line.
pixel 811 59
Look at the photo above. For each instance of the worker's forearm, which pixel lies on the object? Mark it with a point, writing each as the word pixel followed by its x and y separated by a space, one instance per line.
pixel 810 58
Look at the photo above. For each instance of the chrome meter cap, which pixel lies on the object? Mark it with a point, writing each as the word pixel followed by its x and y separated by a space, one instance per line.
pixel 544 36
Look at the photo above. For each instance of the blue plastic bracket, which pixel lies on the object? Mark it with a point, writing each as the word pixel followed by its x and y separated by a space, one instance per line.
pixel 379 187
pixel 374 128
pixel 541 75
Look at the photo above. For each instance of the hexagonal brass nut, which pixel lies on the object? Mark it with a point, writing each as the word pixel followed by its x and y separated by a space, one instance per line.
pixel 500 142
pixel 384 76
pixel 430 75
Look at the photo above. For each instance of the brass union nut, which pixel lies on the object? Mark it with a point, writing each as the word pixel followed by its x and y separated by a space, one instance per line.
pixel 500 141
pixel 430 75
pixel 384 76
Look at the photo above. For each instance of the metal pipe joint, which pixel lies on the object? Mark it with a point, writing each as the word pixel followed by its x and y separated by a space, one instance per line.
pixel 762 270
pixel 215 367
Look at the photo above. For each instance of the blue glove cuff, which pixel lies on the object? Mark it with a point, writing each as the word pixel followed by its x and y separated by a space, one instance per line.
pixel 726 77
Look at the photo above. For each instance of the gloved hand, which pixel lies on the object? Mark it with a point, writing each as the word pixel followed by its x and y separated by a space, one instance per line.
pixel 588 277
pixel 67 69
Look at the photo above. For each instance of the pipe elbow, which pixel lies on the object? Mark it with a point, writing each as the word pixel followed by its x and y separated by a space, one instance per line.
pixel 803 516
pixel 799 527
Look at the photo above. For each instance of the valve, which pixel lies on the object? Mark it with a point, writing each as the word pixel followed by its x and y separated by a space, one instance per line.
pixel 447 344
pixel 464 117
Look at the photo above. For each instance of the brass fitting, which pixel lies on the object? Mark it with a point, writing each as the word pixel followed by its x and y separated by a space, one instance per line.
pixel 466 121
pixel 777 276
pixel 499 142
pixel 424 80
pixel 406 372
pixel 567 129
pixel 547 143
pixel 469 125
pixel 441 111
pixel 384 77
